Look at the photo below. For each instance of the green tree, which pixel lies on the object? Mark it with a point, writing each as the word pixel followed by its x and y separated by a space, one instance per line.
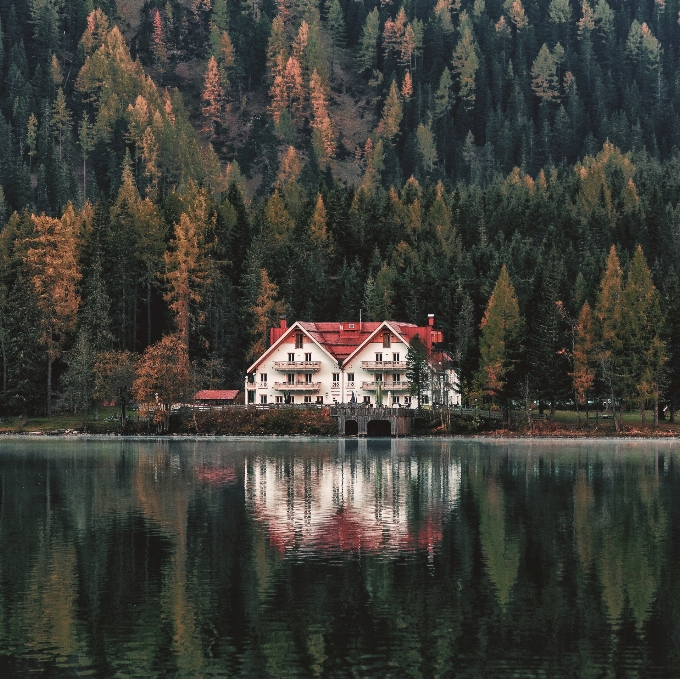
pixel 367 55
pixel 417 368
pixel 465 65
pixel 114 374
pixel 644 352
pixel 336 29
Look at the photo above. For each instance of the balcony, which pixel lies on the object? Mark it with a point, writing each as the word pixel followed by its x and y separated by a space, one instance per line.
pixel 298 366
pixel 392 366
pixel 297 386
pixel 386 386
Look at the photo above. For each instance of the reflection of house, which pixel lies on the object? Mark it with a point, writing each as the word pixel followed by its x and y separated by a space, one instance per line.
pixel 373 504
pixel 215 397
pixel 344 362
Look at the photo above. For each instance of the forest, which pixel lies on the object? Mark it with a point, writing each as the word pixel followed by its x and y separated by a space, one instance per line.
pixel 175 174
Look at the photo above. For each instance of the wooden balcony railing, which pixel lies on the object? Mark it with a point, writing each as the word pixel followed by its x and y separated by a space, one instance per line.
pixel 298 366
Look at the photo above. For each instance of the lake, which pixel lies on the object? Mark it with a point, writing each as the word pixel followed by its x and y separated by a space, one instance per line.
pixel 333 558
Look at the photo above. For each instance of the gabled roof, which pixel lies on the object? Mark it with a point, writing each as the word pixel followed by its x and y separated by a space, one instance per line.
pixel 216 395
pixel 342 340
pixel 295 327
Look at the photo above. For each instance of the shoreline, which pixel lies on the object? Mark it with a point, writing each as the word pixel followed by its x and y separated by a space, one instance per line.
pixel 490 438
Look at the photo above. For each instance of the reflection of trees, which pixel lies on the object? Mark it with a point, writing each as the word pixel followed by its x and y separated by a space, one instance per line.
pixel 154 559
pixel 501 550
pixel 624 532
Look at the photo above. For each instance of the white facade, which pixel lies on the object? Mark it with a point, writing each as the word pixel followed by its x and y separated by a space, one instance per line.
pixel 299 369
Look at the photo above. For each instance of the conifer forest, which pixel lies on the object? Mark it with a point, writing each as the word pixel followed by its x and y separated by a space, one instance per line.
pixel 175 174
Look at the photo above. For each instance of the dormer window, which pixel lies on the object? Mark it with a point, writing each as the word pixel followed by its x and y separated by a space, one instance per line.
pixel 298 340
pixel 351 326
pixel 387 340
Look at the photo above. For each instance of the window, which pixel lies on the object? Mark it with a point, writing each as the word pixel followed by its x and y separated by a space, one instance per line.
pixel 290 378
pixel 386 339
pixel 336 377
pixel 396 378
pixel 308 357
pixel 351 326
pixel 308 399
pixel 407 400
pixel 251 377
pixel 291 399
pixel 291 358
pixel 350 377
pixel 425 399
pixel 298 340
pixel 263 399
pixel 251 396
pixel 395 358
pixel 378 377
pixel 367 399
pixel 319 399
pixel 279 399
pixel 395 399
pixel 308 378
pixel 378 358
pixel 263 378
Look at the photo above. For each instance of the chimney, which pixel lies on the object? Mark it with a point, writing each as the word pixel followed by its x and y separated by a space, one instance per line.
pixel 430 320
pixel 282 322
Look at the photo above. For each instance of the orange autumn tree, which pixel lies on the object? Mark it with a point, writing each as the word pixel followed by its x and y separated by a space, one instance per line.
pixel 187 268
pixel 584 357
pixel 163 377
pixel 266 312
pixel 323 136
pixel 499 342
pixel 213 98
pixel 52 259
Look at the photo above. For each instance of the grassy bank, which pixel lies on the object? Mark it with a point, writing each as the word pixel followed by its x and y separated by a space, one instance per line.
pixel 318 422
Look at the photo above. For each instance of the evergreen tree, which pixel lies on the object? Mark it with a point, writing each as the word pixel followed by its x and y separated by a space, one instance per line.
pixel 417 369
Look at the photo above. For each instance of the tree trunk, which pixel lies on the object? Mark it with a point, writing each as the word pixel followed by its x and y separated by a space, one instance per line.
pixel 616 422
pixel 49 385
pixel 148 314
pixel 643 417
pixel 671 417
pixel 656 411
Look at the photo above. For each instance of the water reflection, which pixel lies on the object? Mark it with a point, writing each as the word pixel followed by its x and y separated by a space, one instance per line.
pixel 339 559
pixel 367 496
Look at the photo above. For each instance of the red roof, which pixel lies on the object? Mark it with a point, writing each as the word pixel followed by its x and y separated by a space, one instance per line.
pixel 216 395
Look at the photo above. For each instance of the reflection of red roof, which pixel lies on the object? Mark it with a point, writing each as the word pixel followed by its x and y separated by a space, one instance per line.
pixel 216 395
pixel 215 476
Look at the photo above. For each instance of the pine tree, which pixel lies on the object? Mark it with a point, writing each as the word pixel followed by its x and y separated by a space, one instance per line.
pixel 499 341
pixel 52 259
pixel 367 55
pixel 584 357
pixel 213 98
pixel 609 331
pixel 266 312
pixel 417 368
pixel 324 135
pixel 392 113
pixel 158 48
pixel 187 273
pixel 644 353
pixel 465 65
pixel 544 75
pixel 336 29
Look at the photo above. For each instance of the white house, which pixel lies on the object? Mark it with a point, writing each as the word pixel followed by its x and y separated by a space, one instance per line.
pixel 344 362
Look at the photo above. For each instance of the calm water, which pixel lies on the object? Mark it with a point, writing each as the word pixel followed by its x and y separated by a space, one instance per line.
pixel 293 558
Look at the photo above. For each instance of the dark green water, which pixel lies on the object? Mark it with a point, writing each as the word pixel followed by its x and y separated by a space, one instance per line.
pixel 374 558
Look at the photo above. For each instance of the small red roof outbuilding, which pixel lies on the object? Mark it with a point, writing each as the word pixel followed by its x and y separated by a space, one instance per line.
pixel 216 395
